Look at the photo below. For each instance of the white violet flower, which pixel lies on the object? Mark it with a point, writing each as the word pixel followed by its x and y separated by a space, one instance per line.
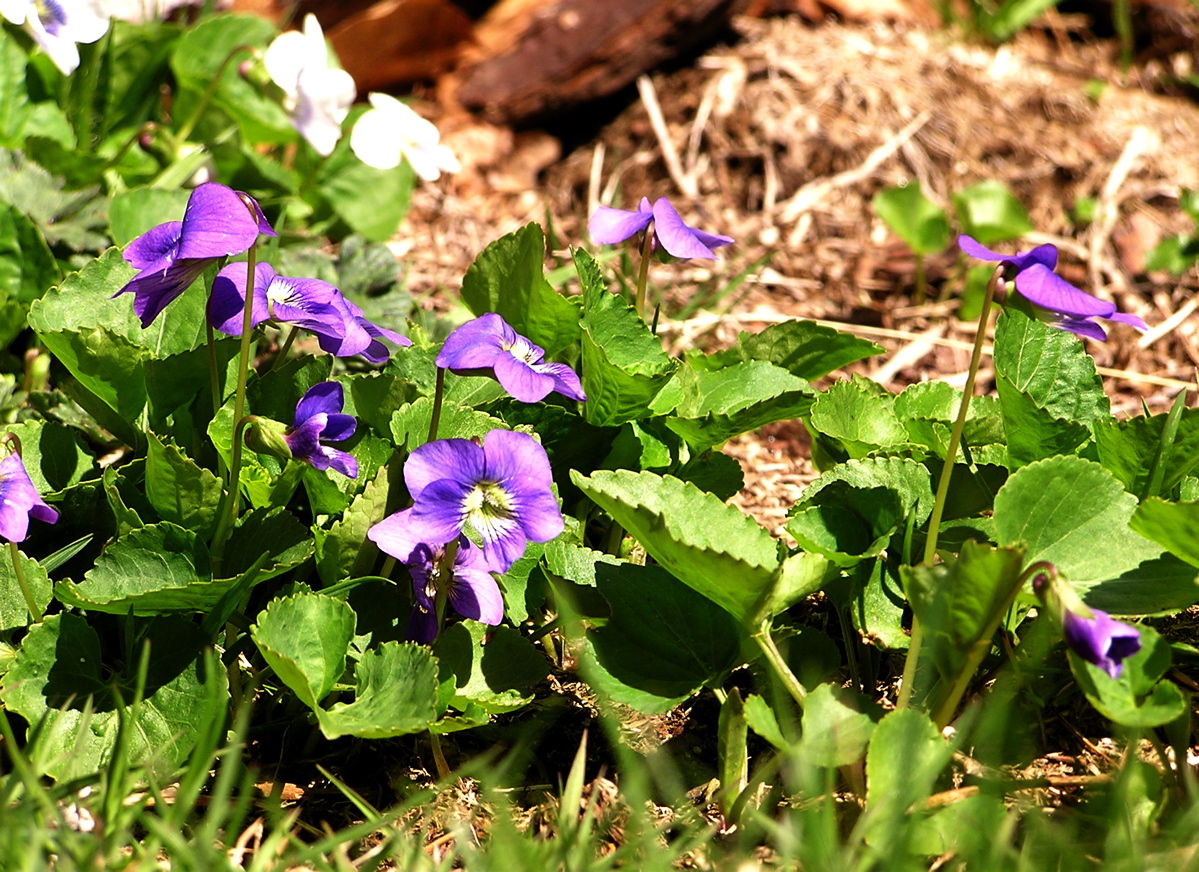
pixel 392 131
pixel 57 25
pixel 317 96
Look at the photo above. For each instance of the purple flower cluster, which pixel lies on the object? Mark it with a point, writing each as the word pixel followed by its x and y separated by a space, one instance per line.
pixel 488 346
pixel 319 420
pixel 609 226
pixel 340 327
pixel 501 490
pixel 1062 304
pixel 19 501
pixel 218 222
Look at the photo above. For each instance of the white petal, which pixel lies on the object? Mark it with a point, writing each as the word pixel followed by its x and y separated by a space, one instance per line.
pixel 86 22
pixel 63 52
pixel 17 11
pixel 325 98
pixel 373 140
pixel 285 59
pixel 318 52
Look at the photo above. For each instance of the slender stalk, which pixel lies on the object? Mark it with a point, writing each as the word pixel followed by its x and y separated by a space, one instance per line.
pixel 239 401
pixel 284 348
pixel 389 566
pixel 974 657
pixel 23 583
pixel 209 92
pixel 775 659
pixel 951 453
pixel 647 252
pixel 228 510
pixel 443 768
pixel 438 399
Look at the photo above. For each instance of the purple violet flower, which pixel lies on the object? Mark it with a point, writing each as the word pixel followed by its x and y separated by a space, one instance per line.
pixel 1101 639
pixel 355 322
pixel 488 346
pixel 472 592
pixel 609 226
pixel 319 420
pixel 501 488
pixel 19 501
pixel 1062 304
pixel 312 304
pixel 216 223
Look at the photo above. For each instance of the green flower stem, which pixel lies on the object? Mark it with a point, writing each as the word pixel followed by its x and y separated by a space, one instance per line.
pixel 243 370
pixel 438 399
pixel 974 657
pixel 775 659
pixel 443 768
pixel 951 453
pixel 647 252
pixel 209 92
pixel 389 566
pixel 228 508
pixel 284 348
pixel 19 570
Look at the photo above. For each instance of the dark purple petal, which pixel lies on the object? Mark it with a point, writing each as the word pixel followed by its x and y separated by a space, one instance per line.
pixel 156 249
pixel 338 428
pixel 609 226
pixel 153 292
pixel 217 223
pixel 324 398
pixel 1125 318
pixel 227 302
pixel 1046 255
pixel 476 344
pixel 1101 640
pixel 393 536
pixel 422 626
pixel 566 380
pixel 19 500
pixel 676 237
pixel 522 381
pixel 306 303
pixel 517 461
pixel 459 459
pixel 305 442
pixel 340 461
pixel 1042 287
pixel 475 595
pixel 1079 327
pixel 438 516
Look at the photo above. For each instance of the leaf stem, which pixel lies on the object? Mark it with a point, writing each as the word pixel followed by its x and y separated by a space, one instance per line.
pixel 23 583
pixel 775 659
pixel 921 281
pixel 281 355
pixel 951 453
pixel 209 92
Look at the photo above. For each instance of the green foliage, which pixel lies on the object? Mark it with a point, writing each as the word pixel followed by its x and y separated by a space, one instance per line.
pixel 989 212
pixel 920 223
pixel 1138 697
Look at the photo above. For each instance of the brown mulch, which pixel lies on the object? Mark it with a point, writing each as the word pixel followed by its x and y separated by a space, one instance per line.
pixel 785 138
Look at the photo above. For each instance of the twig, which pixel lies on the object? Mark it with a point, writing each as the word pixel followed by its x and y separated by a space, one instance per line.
pixel 1140 142
pixel 1167 326
pixel 670 155
pixel 813 192
pixel 595 178
pixel 909 355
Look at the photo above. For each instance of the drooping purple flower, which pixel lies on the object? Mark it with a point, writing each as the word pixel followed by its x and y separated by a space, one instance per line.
pixel 472 591
pixel 355 324
pixel 19 501
pixel 1101 639
pixel 502 489
pixel 319 420
pixel 317 306
pixel 488 346
pixel 216 223
pixel 1062 304
pixel 609 226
